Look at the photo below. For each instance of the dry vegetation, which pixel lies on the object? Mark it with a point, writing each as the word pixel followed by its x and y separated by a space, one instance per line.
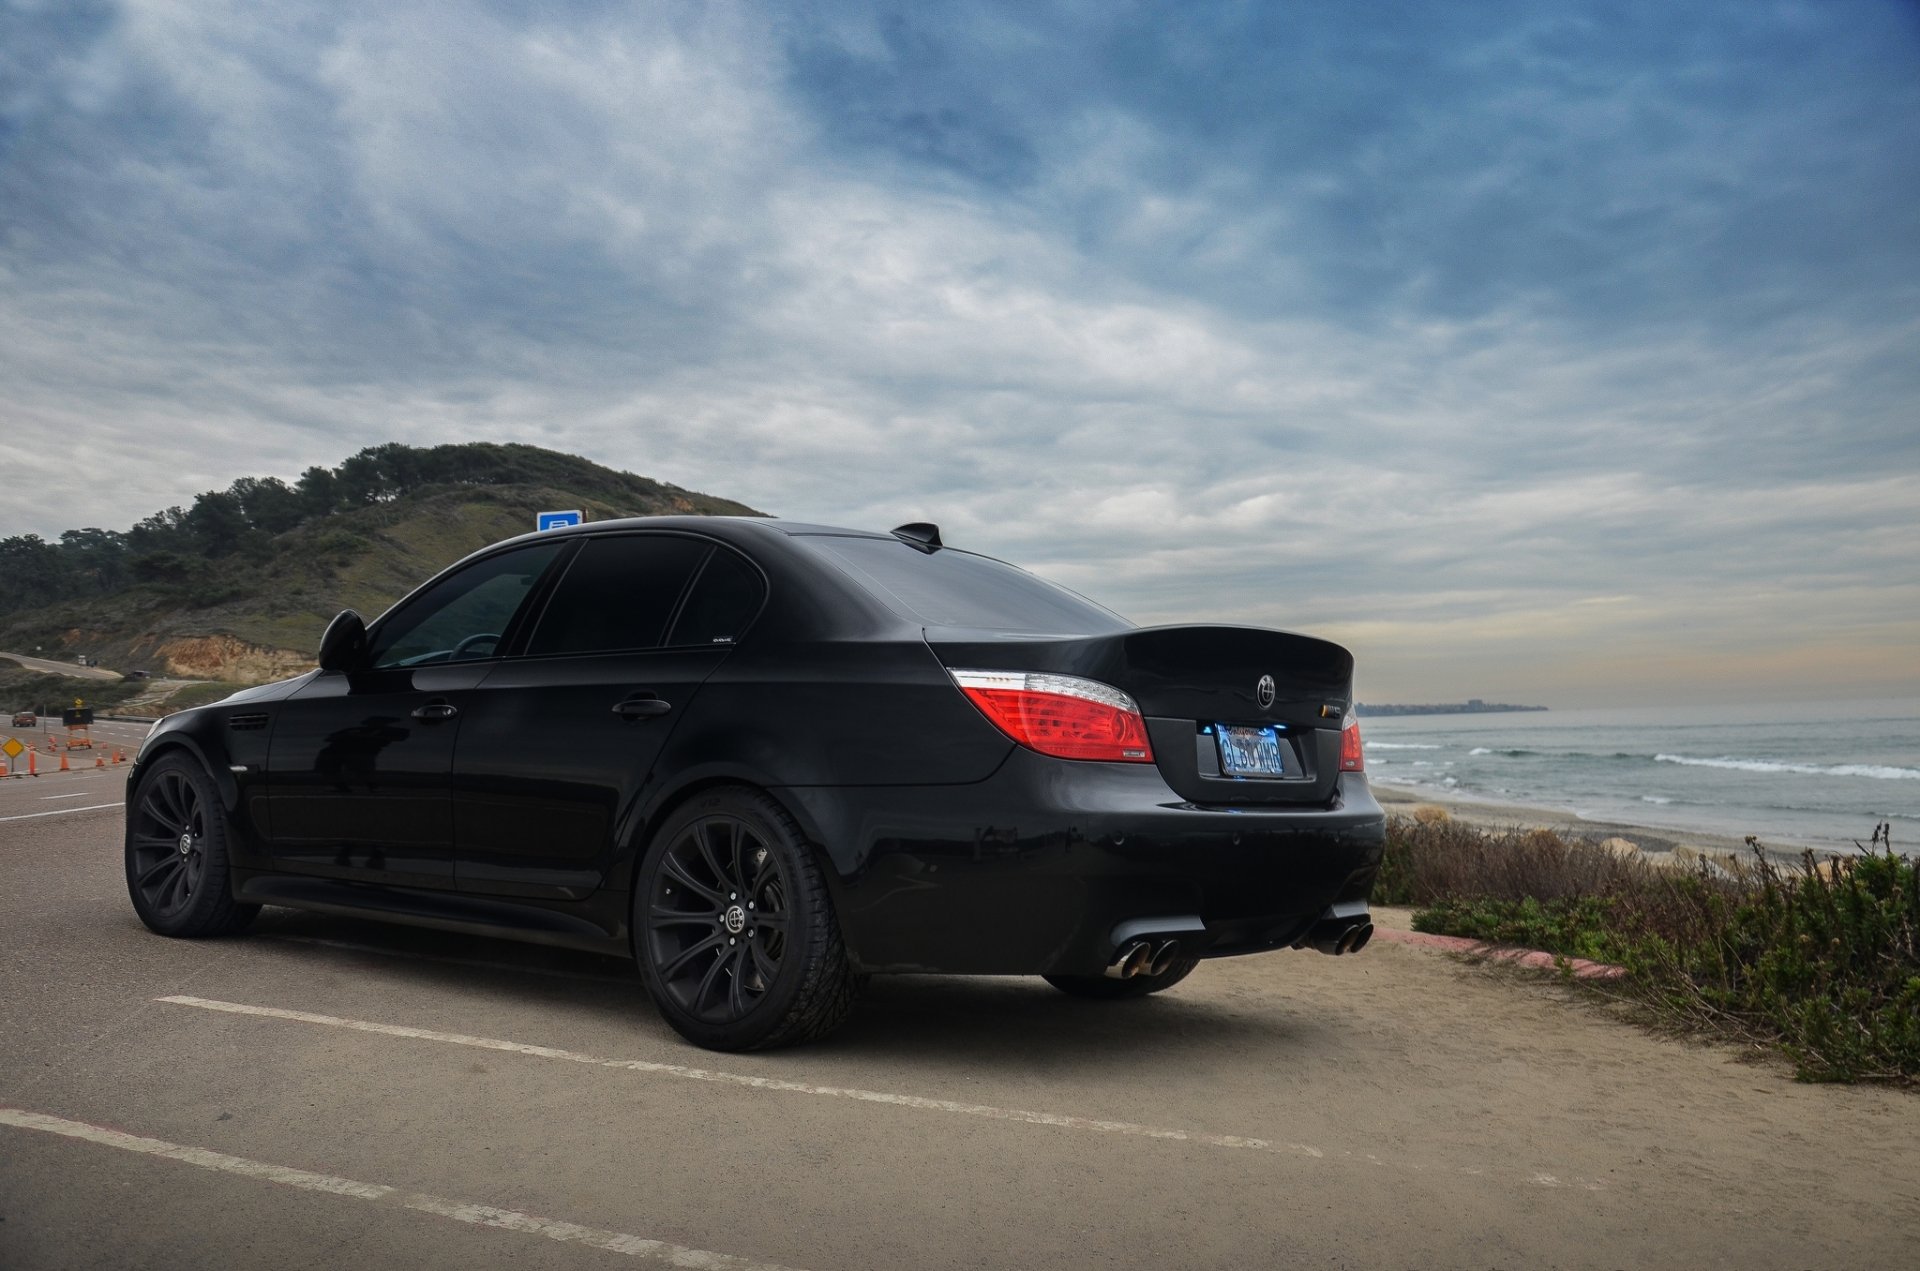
pixel 1822 959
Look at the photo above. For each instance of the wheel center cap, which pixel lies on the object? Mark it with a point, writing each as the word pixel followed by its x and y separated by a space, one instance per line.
pixel 735 918
pixel 186 844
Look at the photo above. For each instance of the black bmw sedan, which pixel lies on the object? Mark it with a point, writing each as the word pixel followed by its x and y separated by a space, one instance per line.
pixel 766 760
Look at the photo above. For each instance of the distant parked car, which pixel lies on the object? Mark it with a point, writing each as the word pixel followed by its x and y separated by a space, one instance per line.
pixel 136 675
pixel 25 719
pixel 766 760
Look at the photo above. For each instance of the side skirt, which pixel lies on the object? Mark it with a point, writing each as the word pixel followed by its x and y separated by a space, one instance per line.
pixel 441 911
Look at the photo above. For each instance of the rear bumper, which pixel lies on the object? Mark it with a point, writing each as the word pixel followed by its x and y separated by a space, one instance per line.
pixel 1042 867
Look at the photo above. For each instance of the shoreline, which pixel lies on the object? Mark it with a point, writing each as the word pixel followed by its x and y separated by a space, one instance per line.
pixel 1650 839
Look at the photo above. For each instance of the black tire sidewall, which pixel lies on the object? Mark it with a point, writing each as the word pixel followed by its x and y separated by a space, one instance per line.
pixel 765 1020
pixel 210 909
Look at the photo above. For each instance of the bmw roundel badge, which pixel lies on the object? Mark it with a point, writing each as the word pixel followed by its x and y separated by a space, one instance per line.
pixel 1264 691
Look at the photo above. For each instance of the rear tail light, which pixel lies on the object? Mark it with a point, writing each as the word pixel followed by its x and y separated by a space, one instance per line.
pixel 1351 757
pixel 1060 715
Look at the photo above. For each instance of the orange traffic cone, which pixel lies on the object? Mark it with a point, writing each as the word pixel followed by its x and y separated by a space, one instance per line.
pixel 98 762
pixel 63 761
pixel 33 764
pixel 117 756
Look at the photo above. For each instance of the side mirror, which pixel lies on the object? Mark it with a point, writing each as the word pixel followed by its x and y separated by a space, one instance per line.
pixel 344 646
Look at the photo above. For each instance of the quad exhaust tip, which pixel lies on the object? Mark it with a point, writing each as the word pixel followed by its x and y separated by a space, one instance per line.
pixel 1143 957
pixel 1338 936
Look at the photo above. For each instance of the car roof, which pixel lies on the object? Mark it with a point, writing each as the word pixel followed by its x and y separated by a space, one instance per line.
pixel 725 527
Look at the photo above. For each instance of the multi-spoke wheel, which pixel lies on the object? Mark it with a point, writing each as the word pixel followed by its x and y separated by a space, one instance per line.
pixel 734 929
pixel 177 872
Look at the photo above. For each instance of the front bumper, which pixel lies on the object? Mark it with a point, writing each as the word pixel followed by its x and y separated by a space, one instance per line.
pixel 1042 867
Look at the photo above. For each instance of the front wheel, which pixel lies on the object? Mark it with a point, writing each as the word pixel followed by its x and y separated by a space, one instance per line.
pixel 178 874
pixel 734 931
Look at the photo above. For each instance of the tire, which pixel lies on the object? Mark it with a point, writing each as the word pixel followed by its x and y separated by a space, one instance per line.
pixel 179 871
pixel 1108 989
pixel 734 930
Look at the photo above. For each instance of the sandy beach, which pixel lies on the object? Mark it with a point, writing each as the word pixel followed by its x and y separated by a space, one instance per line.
pixel 1652 840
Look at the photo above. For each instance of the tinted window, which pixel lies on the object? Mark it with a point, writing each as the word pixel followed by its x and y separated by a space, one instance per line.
pixel 618 594
pixel 722 603
pixel 958 589
pixel 464 616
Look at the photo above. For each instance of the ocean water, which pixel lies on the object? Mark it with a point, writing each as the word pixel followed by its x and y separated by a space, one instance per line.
pixel 1813 774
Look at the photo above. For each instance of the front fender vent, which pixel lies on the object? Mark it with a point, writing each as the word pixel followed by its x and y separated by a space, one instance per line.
pixel 246 723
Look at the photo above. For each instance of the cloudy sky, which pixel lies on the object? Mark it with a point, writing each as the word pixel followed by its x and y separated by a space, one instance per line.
pixel 1563 353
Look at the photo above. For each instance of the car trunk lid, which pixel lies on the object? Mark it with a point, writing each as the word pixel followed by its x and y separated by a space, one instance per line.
pixel 1189 681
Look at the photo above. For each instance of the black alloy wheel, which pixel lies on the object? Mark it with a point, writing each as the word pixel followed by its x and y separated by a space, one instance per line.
pixel 176 849
pixel 735 932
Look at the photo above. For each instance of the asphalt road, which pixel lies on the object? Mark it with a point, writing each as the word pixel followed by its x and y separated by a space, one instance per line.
pixel 326 1093
pixel 72 669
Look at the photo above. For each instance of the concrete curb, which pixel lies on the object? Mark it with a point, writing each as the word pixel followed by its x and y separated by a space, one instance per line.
pixel 1582 968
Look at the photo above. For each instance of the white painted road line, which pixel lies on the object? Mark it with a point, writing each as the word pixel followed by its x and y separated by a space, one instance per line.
pixel 1124 1128
pixel 28 816
pixel 77 794
pixel 760 1083
pixel 459 1211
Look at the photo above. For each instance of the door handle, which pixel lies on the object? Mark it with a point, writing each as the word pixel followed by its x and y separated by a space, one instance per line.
pixel 433 712
pixel 642 708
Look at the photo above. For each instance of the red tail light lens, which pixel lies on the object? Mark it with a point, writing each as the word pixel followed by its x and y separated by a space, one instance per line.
pixel 1352 759
pixel 1060 715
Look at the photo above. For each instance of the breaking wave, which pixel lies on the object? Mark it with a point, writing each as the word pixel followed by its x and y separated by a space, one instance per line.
pixel 1880 772
pixel 1400 745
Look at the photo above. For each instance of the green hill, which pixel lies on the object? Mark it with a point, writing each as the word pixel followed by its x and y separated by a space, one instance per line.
pixel 240 585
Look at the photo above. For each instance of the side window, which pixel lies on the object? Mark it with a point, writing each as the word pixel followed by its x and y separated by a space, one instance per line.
pixel 724 600
pixel 463 617
pixel 618 593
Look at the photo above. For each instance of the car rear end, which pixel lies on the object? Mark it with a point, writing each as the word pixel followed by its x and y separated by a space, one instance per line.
pixel 1182 791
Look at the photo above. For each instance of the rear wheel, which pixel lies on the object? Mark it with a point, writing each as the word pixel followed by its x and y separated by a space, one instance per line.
pixel 178 871
pixel 1109 989
pixel 734 931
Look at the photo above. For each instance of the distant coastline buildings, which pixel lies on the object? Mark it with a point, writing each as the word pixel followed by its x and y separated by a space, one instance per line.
pixel 1472 706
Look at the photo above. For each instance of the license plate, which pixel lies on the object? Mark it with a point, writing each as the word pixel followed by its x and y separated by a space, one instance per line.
pixel 1251 752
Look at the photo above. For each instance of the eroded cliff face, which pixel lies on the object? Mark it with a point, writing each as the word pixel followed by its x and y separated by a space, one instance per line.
pixel 222 657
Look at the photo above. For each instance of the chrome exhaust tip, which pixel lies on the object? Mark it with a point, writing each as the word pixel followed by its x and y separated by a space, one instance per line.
pixel 1130 961
pixel 1163 958
pixel 1357 938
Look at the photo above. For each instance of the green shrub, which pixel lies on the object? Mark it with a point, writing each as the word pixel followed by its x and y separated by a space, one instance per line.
pixel 1823 960
pixel 1577 927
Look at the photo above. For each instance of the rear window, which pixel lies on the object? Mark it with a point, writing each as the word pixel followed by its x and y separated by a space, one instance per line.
pixel 618 594
pixel 958 589
pixel 724 601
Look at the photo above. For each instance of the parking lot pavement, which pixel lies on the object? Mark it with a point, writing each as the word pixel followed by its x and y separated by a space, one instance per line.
pixel 328 1092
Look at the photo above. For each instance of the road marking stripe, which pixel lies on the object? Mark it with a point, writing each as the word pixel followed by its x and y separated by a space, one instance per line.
pixel 632 978
pixel 459 1211
pixel 77 794
pixel 28 816
pixel 1127 1128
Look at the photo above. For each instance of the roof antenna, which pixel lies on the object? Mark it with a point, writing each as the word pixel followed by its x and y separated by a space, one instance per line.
pixel 924 535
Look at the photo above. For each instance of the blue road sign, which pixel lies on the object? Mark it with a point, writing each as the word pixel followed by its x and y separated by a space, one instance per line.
pixel 554 520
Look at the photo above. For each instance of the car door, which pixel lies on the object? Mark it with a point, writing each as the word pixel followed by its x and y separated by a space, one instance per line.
pixel 360 765
pixel 556 750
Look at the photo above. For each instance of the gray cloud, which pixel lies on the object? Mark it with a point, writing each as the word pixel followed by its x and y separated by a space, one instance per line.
pixel 1528 350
